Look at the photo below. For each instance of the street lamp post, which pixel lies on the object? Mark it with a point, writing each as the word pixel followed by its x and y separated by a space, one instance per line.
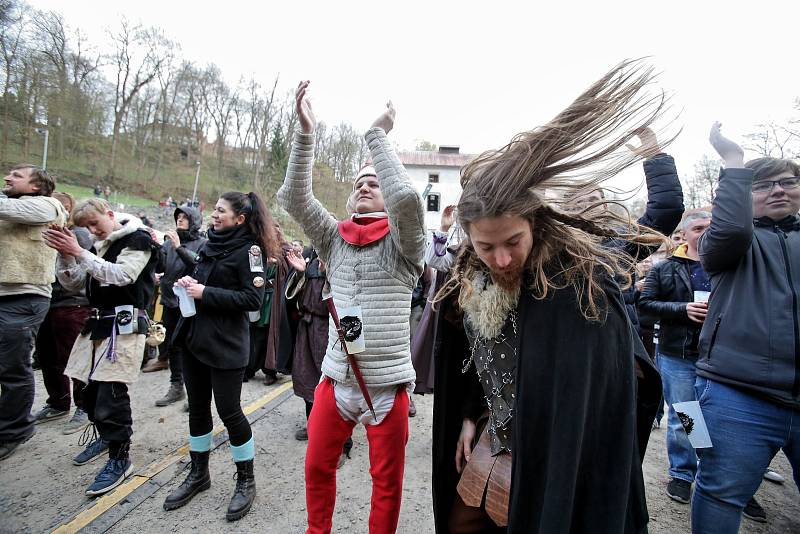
pixel 196 180
pixel 46 134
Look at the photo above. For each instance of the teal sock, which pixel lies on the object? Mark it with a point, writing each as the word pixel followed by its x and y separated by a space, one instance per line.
pixel 200 443
pixel 245 451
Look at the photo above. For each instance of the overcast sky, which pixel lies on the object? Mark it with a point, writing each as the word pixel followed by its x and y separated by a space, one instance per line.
pixel 475 73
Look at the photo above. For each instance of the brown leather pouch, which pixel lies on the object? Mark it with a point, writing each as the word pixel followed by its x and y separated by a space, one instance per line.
pixel 489 475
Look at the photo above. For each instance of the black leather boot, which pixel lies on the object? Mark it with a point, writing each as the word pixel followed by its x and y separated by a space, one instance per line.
pixel 245 492
pixel 198 480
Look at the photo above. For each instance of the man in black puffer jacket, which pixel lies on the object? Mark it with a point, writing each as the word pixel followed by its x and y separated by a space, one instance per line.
pixel 748 382
pixel 179 257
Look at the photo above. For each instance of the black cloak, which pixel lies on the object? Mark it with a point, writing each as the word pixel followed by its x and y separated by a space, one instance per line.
pixel 576 465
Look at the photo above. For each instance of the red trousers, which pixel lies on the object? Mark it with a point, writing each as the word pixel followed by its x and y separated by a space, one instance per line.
pixel 327 432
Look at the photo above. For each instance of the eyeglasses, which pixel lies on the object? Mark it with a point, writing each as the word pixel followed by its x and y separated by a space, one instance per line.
pixel 765 186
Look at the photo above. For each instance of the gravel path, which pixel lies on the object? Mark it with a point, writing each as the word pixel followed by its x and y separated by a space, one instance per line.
pixel 40 488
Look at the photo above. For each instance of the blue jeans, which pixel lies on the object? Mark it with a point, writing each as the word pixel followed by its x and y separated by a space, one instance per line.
pixel 678 376
pixel 746 432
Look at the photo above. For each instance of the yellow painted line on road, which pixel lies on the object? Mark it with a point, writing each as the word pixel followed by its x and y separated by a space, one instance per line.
pixel 102 505
pixel 108 501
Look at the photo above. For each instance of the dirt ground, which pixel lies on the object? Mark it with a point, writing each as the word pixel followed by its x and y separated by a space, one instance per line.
pixel 40 489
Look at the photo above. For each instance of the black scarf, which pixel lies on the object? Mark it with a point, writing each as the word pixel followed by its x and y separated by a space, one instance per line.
pixel 186 236
pixel 220 241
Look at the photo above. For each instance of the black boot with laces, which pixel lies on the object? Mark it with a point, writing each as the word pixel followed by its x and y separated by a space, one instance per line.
pixel 198 480
pixel 245 492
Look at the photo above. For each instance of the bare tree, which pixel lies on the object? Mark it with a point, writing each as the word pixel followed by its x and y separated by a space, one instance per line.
pixel 700 187
pixel 12 14
pixel 344 152
pixel 263 114
pixel 775 140
pixel 171 82
pixel 219 102
pixel 139 54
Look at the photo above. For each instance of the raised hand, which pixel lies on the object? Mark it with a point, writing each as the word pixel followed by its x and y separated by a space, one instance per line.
pixel 303 106
pixel 731 153
pixel 296 260
pixel 648 144
pixel 448 218
pixel 386 119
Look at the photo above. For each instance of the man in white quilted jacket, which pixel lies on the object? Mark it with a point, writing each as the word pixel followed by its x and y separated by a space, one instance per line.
pixel 374 260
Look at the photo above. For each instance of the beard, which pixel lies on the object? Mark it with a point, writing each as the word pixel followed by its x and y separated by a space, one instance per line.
pixel 509 279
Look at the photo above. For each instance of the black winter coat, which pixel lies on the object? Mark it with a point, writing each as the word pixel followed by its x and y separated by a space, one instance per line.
pixel 181 261
pixel 666 292
pixel 219 334
pixel 576 466
pixel 664 203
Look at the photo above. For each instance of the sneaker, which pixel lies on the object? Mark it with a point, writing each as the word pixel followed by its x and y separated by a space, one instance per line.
pixel 92 451
pixel 342 459
pixel 772 476
pixel 111 476
pixel 679 490
pixel 77 423
pixel 302 434
pixel 754 511
pixel 656 424
pixel 174 394
pixel 48 413
pixel 7 448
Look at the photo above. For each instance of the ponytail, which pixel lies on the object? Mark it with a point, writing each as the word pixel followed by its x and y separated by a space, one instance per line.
pixel 258 220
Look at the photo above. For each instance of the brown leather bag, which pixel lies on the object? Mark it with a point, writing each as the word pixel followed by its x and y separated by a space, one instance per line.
pixel 489 475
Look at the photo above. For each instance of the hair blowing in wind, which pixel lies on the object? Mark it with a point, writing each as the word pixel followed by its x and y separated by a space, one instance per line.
pixel 576 152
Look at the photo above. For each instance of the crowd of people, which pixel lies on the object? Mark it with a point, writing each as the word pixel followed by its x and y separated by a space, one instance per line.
pixel 537 314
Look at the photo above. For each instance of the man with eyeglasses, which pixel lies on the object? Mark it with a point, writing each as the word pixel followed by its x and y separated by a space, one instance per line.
pixel 748 382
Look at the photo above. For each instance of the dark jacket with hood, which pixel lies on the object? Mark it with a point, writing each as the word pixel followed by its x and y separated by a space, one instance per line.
pixel 219 334
pixel 178 262
pixel 576 464
pixel 63 297
pixel 751 336
pixel 666 292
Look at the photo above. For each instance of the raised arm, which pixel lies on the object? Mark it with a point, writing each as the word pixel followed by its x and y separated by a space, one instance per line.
pixel 731 232
pixel 403 203
pixel 664 192
pixel 31 210
pixel 296 195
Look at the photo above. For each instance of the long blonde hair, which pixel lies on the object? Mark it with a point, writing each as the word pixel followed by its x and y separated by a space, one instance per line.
pixel 573 153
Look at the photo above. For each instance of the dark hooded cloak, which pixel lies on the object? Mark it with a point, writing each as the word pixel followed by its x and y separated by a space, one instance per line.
pixel 576 465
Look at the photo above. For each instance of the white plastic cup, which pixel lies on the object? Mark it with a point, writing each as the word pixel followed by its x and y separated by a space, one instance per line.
pixel 185 302
pixel 702 296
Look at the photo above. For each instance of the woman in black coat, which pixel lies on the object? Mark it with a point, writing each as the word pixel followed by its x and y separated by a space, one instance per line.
pixel 227 283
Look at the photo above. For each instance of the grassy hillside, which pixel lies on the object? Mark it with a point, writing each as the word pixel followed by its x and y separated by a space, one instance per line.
pixel 135 183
